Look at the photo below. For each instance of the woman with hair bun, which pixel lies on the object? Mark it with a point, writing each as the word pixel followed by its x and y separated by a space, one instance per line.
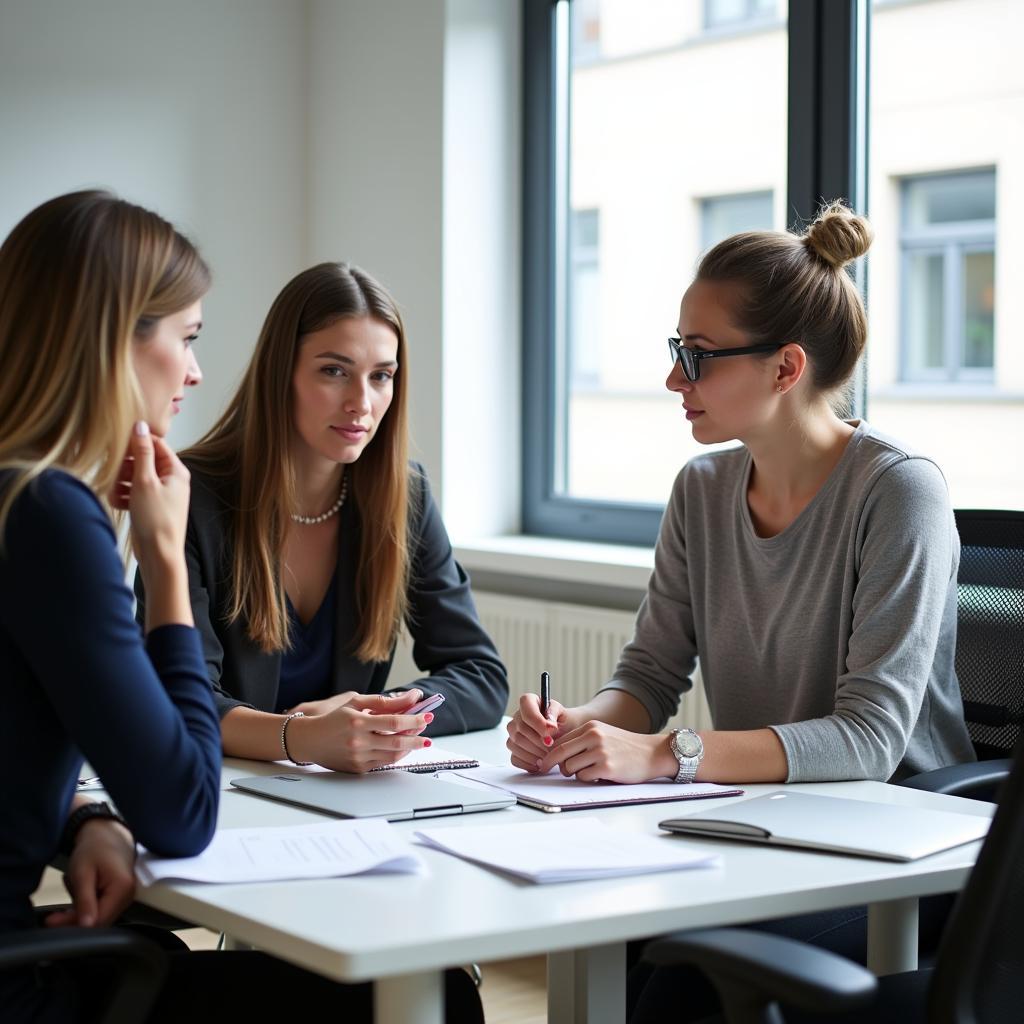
pixel 812 569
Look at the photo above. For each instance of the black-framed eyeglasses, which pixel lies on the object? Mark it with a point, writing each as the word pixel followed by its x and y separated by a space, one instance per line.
pixel 690 359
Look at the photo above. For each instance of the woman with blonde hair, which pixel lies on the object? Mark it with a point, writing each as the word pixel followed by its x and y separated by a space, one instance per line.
pixel 99 306
pixel 812 569
pixel 312 540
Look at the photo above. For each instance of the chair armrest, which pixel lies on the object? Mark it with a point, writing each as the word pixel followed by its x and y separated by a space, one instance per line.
pixel 141 965
pixel 977 779
pixel 754 969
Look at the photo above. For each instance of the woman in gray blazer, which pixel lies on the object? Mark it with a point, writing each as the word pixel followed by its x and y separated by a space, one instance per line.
pixel 312 539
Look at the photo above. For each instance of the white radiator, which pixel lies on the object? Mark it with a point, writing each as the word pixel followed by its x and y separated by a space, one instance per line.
pixel 578 645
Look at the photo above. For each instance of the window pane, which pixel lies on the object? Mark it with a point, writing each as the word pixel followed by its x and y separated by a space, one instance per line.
pixel 948 198
pixel 925 329
pixel 979 309
pixel 944 159
pixel 722 216
pixel 729 13
pixel 649 143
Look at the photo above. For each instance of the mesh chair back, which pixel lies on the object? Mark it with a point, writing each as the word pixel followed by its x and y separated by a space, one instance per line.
pixel 979 974
pixel 990 628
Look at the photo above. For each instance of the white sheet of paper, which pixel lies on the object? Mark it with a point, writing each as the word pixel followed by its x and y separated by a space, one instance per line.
pixel 563 850
pixel 318 850
pixel 556 790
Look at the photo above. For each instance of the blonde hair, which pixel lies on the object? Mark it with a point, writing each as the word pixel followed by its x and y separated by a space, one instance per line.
pixel 251 445
pixel 794 288
pixel 80 277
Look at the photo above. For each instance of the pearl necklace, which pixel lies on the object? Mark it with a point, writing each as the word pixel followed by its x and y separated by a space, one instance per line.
pixel 332 511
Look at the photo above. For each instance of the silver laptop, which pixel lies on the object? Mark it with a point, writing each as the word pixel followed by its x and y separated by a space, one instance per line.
pixel 886 831
pixel 392 795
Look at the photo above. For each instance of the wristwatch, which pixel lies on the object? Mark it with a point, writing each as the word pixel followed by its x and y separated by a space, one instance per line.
pixel 689 750
pixel 78 817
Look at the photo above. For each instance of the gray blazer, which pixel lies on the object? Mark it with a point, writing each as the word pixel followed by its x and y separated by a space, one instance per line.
pixel 449 644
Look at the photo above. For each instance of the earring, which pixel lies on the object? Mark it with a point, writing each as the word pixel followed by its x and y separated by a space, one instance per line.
pixel 778 387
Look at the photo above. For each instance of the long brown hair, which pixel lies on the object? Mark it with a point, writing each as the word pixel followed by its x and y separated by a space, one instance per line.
pixel 794 288
pixel 251 443
pixel 81 277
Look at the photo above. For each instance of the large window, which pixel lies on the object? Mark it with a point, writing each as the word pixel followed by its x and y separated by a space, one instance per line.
pixel 656 127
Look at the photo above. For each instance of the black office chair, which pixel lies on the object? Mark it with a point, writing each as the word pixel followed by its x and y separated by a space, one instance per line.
pixel 978 977
pixel 989 650
pixel 138 966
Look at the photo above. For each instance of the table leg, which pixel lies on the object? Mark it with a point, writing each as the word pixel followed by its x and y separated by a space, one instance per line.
pixel 892 936
pixel 588 986
pixel 409 999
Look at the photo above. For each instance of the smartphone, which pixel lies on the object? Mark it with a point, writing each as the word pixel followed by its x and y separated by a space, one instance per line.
pixel 435 700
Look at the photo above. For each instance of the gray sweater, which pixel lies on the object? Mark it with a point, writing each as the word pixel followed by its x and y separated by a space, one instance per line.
pixel 838 633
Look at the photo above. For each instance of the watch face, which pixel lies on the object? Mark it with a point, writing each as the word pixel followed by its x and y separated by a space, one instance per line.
pixel 688 744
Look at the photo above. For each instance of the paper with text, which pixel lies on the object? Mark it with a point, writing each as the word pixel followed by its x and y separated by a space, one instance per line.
pixel 318 850
pixel 563 850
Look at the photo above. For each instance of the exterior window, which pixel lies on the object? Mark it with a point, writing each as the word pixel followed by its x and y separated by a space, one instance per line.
pixel 738 13
pixel 948 242
pixel 722 216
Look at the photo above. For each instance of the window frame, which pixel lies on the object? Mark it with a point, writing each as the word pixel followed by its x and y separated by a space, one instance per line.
pixel 826 157
pixel 952 240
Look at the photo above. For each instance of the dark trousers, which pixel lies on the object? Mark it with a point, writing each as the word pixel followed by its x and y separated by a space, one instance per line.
pixel 683 994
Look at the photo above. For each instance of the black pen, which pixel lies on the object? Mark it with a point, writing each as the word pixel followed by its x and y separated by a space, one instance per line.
pixel 545 693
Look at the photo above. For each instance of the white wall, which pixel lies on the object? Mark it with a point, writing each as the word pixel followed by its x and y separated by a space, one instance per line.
pixel 193 108
pixel 279 134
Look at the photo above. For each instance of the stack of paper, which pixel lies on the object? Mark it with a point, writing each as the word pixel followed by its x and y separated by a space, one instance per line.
pixel 319 850
pixel 563 851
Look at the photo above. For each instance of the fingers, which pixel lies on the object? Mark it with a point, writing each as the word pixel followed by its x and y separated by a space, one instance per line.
pixel 83 896
pixel 121 493
pixel 114 898
pixel 165 462
pixel 390 703
pixel 409 724
pixel 140 451
pixel 61 919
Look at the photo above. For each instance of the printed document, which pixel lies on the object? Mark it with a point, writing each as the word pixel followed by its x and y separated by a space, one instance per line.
pixel 563 850
pixel 319 850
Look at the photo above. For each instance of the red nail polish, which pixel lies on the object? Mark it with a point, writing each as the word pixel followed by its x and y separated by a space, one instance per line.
pixel 548 741
pixel 426 743
pixel 428 717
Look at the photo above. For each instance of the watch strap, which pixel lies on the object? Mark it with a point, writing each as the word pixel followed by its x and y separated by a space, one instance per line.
pixel 79 816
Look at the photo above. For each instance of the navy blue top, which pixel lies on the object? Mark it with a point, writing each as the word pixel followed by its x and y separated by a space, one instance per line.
pixel 77 679
pixel 307 667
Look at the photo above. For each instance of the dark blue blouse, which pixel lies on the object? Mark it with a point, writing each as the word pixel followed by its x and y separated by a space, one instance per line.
pixel 77 679
pixel 306 669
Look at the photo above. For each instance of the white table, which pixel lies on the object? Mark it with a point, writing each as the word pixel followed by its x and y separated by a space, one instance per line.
pixel 401 931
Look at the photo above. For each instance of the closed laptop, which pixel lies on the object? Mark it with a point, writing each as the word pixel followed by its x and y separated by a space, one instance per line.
pixel 887 831
pixel 395 796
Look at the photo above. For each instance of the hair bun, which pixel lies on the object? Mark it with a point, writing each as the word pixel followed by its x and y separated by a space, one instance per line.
pixel 839 235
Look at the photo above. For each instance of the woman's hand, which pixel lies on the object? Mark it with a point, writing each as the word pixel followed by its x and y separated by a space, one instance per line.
pixel 366 732
pixel 531 735
pixel 596 750
pixel 100 876
pixel 373 703
pixel 153 485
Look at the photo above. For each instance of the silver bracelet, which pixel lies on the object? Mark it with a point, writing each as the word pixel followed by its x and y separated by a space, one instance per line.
pixel 284 738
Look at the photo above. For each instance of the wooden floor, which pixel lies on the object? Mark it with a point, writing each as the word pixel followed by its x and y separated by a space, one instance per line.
pixel 513 991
